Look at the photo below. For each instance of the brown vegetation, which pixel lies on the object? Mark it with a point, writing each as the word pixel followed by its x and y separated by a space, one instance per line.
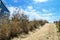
pixel 4 29
pixel 18 25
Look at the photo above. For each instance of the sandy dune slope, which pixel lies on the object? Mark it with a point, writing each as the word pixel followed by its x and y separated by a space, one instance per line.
pixel 47 32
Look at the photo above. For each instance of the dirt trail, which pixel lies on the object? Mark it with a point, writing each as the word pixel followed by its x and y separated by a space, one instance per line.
pixel 47 32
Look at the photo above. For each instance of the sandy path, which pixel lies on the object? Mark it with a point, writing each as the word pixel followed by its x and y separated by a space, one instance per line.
pixel 47 32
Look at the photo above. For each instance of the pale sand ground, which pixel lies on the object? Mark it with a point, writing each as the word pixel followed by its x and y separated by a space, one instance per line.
pixel 47 32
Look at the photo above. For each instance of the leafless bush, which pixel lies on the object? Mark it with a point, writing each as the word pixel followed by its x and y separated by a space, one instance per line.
pixel 15 26
pixel 4 29
pixel 19 24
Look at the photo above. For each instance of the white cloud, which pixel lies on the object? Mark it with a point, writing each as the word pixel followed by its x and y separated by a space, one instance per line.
pixel 37 1
pixel 34 14
pixel 44 10
pixel 11 9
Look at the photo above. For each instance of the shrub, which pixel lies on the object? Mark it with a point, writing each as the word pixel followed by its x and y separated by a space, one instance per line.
pixel 57 25
pixel 42 22
pixel 5 30
pixel 15 26
pixel 19 24
pixel 30 26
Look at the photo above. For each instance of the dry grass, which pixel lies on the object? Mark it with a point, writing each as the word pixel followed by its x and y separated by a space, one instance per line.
pixel 16 26
pixel 4 30
pixel 47 32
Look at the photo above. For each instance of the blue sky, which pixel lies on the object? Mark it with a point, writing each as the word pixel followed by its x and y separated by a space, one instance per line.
pixel 37 9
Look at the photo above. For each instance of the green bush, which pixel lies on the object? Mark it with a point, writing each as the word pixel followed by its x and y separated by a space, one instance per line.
pixel 57 25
